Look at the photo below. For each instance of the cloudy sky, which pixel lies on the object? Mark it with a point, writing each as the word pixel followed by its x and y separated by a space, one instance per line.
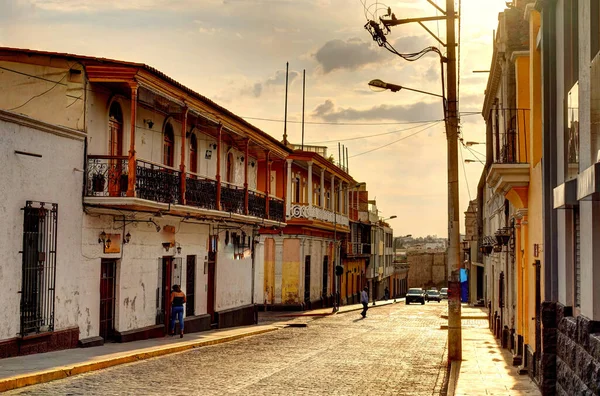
pixel 234 52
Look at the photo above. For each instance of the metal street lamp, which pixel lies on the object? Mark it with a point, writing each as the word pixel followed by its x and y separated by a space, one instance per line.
pixel 473 143
pixel 468 161
pixel 389 218
pixel 380 86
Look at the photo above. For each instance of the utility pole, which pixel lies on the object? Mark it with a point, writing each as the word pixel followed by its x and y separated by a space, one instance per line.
pixel 451 123
pixel 454 308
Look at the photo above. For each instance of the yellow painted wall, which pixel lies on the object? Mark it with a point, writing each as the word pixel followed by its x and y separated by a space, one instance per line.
pixel 534 227
pixel 535 70
pixel 523 94
pixel 519 196
pixel 269 271
pixel 290 272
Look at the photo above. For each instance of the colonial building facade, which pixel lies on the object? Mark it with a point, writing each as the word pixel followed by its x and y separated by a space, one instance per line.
pixel 174 190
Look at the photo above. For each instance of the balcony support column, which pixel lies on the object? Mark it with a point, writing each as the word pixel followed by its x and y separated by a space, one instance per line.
pixel 246 151
pixel 310 189
pixel 288 200
pixel 218 175
pixel 332 195
pixel 322 188
pixel 182 164
pixel 340 196
pixel 267 182
pixel 347 204
pixel 131 165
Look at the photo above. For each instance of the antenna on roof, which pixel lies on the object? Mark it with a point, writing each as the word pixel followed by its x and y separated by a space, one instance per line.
pixel 303 99
pixel 287 65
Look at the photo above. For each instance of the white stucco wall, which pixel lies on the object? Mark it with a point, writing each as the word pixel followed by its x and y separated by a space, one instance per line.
pixel 52 179
pixel 233 278
pixel 139 267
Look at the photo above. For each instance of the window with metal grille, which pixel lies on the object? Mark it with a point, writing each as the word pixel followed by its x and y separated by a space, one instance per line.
pixel 190 285
pixel 38 267
pixel 325 274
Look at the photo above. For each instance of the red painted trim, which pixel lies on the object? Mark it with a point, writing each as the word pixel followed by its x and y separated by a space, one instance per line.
pixel 132 157
pixel 218 175
pixel 182 164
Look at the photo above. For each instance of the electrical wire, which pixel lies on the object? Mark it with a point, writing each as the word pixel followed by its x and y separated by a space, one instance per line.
pixel 41 94
pixel 395 141
pixel 370 136
pixel 462 160
pixel 343 123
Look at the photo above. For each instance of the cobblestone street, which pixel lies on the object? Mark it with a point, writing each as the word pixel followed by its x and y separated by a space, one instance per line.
pixel 396 350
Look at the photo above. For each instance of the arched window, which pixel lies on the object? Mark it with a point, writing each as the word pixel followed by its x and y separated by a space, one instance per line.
pixel 168 145
pixel 230 167
pixel 193 154
pixel 115 130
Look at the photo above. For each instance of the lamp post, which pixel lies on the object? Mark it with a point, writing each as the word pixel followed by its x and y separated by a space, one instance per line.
pixel 336 246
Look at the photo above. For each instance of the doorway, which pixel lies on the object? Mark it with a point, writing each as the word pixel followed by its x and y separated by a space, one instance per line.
pixel 117 179
pixel 169 275
pixel 190 286
pixel 307 280
pixel 210 290
pixel 107 298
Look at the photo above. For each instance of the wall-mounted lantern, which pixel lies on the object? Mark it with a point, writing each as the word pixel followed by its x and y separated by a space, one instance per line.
pixel 503 235
pixel 104 240
pixel 167 246
pixel 127 238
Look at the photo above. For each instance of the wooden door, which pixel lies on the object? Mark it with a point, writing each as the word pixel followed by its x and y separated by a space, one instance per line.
pixel 167 268
pixel 210 297
pixel 190 285
pixel 107 298
pixel 307 280
pixel 115 149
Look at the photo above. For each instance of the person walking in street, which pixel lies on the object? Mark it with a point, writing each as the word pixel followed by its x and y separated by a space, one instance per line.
pixel 364 300
pixel 177 301
pixel 386 294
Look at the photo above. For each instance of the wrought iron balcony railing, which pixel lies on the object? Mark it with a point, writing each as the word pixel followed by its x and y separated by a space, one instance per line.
pixel 276 209
pixel 200 192
pixel 315 212
pixel 257 202
pixel 157 182
pixel 357 249
pixel 232 198
pixel 108 176
pixel 510 130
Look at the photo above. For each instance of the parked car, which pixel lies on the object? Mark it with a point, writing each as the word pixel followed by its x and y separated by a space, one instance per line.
pixel 415 294
pixel 444 293
pixel 433 295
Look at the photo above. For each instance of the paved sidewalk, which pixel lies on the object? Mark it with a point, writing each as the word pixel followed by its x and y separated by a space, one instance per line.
pixel 21 371
pixel 486 368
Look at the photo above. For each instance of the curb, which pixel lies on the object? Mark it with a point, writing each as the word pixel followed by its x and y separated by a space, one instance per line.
pixel 56 373
pixel 445 316
pixel 454 370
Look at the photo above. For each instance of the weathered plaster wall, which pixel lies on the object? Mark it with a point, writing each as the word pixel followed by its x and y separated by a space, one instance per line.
pixel 55 95
pixel 233 278
pixel 46 179
pixel 139 268
pixel 427 269
pixel 290 274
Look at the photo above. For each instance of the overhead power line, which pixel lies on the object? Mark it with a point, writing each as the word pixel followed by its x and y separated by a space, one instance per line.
pixel 375 135
pixel 395 141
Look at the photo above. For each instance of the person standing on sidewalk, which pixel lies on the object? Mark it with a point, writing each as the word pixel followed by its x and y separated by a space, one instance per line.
pixel 364 300
pixel 177 301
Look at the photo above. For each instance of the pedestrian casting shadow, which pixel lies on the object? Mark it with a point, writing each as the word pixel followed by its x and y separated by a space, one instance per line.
pixel 358 320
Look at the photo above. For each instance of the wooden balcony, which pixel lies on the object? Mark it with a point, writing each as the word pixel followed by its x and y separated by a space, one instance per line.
pixel 160 188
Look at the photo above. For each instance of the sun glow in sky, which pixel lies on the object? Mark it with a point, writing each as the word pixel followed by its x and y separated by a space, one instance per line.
pixel 235 51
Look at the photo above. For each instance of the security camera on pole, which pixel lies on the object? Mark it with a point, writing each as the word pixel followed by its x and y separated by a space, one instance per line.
pixel 451 121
